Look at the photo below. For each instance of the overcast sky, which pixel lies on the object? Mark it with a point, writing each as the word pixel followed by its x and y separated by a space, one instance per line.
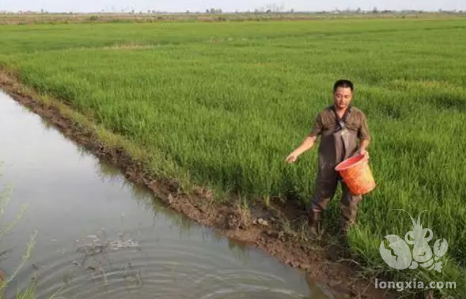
pixel 225 5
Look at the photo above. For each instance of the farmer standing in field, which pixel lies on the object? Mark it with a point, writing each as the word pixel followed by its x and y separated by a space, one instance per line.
pixel 340 127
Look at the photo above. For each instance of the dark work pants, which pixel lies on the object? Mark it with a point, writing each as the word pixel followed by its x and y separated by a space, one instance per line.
pixel 326 185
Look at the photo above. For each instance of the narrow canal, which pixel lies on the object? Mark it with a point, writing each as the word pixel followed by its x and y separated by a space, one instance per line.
pixel 99 236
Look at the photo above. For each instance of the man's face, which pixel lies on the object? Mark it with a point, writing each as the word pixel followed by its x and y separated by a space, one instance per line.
pixel 342 97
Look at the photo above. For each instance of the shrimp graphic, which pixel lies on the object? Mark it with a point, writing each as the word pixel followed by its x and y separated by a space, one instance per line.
pixel 421 254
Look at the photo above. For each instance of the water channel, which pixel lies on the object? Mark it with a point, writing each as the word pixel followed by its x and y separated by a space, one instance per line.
pixel 99 236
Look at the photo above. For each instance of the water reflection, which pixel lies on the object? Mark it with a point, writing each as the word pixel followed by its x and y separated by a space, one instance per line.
pixel 46 124
pixel 107 172
pixel 142 195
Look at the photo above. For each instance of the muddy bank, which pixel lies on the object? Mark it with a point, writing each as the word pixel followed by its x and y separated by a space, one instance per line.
pixel 260 227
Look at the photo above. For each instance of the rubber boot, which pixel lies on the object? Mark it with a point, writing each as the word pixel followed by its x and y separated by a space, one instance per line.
pixel 345 225
pixel 314 221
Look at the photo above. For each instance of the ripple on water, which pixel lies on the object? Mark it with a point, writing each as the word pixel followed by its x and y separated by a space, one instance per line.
pixel 150 267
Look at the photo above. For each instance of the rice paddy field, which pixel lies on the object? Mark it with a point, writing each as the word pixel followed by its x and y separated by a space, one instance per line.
pixel 223 104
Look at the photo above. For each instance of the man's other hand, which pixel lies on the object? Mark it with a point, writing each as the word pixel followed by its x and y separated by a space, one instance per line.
pixel 291 158
pixel 364 152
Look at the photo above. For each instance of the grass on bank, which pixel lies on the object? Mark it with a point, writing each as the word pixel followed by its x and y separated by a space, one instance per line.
pixel 29 292
pixel 222 104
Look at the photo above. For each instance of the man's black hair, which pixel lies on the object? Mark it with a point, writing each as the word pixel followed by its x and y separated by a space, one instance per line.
pixel 343 83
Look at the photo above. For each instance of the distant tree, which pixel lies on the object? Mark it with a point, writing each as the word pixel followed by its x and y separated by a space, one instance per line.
pixel 214 11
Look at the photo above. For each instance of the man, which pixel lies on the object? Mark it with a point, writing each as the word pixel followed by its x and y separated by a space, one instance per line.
pixel 340 127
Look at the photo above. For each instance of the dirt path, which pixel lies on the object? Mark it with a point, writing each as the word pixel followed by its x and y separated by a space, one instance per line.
pixel 259 226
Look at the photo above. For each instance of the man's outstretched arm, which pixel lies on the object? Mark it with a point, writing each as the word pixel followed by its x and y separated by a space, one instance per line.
pixel 306 145
pixel 309 142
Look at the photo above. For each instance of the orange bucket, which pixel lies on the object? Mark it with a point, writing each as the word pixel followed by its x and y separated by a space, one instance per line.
pixel 357 174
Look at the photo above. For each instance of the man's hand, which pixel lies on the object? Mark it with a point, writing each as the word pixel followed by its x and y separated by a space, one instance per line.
pixel 363 147
pixel 307 144
pixel 291 158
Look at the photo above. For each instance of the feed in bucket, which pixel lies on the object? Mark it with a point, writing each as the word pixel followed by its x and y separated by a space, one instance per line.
pixel 357 174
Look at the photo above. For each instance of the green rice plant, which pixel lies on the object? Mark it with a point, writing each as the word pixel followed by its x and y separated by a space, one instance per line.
pixel 222 104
